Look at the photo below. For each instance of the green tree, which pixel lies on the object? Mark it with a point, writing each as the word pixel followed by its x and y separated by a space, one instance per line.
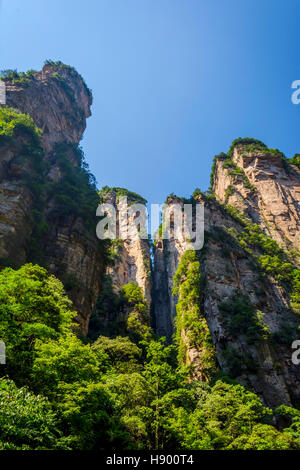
pixel 162 378
pixel 27 421
pixel 87 414
pixel 65 361
pixel 33 306
pixel 227 416
pixel 124 355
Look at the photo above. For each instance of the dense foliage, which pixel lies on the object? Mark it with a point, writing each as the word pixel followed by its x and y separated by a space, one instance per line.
pixel 248 142
pixel 75 193
pixel 119 312
pixel 241 318
pixel 132 198
pixel 33 307
pixel 18 78
pixel 191 326
pixel 295 160
pixel 126 392
pixel 27 421
pixel 12 121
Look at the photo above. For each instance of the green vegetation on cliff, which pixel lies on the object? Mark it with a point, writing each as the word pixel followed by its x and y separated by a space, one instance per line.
pixel 191 326
pixel 17 78
pixel 132 198
pixel 75 192
pixel 12 121
pixel 120 312
pixel 241 318
pixel 20 131
pixel 248 145
pixel 271 259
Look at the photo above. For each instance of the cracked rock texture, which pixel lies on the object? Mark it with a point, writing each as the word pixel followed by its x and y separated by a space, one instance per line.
pixel 133 262
pixel 274 201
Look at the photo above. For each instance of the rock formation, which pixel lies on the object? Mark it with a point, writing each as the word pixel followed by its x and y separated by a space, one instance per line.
pixel 232 265
pixel 132 263
pixel 59 102
pixel 247 298
pixel 260 183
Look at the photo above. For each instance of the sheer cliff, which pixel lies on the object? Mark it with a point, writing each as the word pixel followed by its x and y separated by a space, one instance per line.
pixel 47 198
pixel 244 309
pixel 264 186
pixel 130 264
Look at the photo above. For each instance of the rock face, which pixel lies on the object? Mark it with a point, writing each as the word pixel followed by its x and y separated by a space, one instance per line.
pixel 230 271
pixel 15 203
pixel 133 262
pixel 266 367
pixel 167 254
pixel 272 199
pixel 59 102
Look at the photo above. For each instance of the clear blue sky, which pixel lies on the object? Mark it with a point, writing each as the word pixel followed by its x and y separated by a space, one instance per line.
pixel 174 81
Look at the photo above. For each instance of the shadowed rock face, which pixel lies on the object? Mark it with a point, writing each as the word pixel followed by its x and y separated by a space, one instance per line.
pixel 15 202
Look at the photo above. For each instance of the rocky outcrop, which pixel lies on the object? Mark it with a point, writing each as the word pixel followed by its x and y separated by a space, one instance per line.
pixel 58 101
pixel 263 364
pixel 262 185
pixel 132 261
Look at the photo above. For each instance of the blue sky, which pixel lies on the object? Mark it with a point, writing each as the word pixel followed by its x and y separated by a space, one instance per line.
pixel 174 81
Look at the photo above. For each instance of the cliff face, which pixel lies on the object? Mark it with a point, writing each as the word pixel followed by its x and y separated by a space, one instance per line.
pixel 167 254
pixel 15 202
pixel 264 365
pixel 59 102
pixel 129 268
pixel 132 263
pixel 265 188
pixel 256 349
